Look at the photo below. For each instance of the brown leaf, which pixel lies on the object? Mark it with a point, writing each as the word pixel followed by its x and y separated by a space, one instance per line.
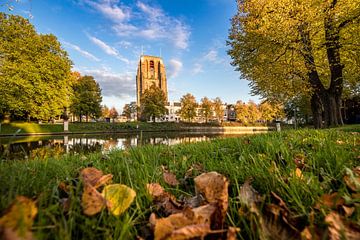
pixel 352 179
pixel 338 229
pixel 348 211
pixel 190 232
pixel 310 234
pixel 170 178
pixel 248 195
pixel 299 160
pixel 231 233
pixel 330 200
pixel 164 200
pixel 65 187
pixel 165 227
pixel 92 201
pixel 214 187
pixel 18 220
pixel 94 177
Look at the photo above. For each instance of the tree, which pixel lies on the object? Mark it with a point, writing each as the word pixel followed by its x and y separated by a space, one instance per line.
pixel 87 98
pixel 188 107
pixel 253 112
pixel 35 79
pixel 153 103
pixel 105 111
pixel 113 113
pixel 218 109
pixel 242 112
pixel 206 108
pixel 270 111
pixel 289 47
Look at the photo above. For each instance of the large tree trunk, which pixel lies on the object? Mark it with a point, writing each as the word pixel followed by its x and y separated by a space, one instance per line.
pixel 316 108
pixel 332 43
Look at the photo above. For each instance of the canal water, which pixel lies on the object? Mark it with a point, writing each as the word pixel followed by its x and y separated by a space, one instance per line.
pixel 20 148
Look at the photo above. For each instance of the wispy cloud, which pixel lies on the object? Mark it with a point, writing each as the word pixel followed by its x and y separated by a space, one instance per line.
pixel 211 56
pixel 81 51
pixel 143 20
pixel 107 49
pixel 175 67
pixel 110 9
pixel 113 84
pixel 197 68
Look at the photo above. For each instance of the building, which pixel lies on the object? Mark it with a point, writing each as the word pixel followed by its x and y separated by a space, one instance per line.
pixel 173 109
pixel 151 71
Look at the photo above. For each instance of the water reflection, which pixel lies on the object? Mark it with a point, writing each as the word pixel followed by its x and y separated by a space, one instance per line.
pixel 42 147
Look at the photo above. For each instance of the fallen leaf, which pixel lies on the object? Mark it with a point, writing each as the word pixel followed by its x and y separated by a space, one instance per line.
pixel 94 177
pixel 214 187
pixel 165 227
pixel 330 200
pixel 92 201
pixel 231 233
pixel 298 173
pixel 18 220
pixel 338 229
pixel 118 198
pixel 340 142
pixel 348 211
pixel 299 160
pixel 164 200
pixel 190 232
pixel 248 195
pixel 170 178
pixel 352 179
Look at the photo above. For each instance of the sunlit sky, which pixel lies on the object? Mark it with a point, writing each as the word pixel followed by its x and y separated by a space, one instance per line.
pixel 105 38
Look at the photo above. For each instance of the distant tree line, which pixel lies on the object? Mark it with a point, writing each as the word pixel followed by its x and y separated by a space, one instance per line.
pixel 153 105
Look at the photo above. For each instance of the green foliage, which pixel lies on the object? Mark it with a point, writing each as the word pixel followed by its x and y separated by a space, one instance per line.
pixel 206 108
pixel 87 98
pixel 34 71
pixel 188 107
pixel 153 103
pixel 218 109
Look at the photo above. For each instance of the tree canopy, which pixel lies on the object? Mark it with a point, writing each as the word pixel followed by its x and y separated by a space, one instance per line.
pixel 188 107
pixel 206 108
pixel 153 103
pixel 35 74
pixel 289 48
pixel 86 100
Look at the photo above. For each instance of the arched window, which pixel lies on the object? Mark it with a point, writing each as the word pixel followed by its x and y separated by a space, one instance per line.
pixel 152 68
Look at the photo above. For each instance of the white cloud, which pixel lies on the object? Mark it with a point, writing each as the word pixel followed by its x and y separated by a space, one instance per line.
pixel 107 49
pixel 110 9
pixel 144 21
pixel 81 51
pixel 198 68
pixel 174 68
pixel 113 84
pixel 211 56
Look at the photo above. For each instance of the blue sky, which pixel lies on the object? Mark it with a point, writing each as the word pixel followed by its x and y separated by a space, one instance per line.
pixel 105 38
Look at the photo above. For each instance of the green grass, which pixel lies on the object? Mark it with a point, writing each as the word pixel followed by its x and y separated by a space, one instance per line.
pixel 11 128
pixel 267 159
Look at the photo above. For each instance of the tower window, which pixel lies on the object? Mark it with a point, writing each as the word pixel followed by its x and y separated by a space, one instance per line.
pixel 152 68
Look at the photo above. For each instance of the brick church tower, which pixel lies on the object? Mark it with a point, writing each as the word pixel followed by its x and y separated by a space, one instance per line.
pixel 151 71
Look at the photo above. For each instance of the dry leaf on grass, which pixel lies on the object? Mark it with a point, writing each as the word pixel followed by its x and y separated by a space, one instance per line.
pixel 18 220
pixel 192 220
pixel 164 200
pixel 118 198
pixel 92 201
pixel 94 177
pixel 333 200
pixel 340 230
pixel 248 195
pixel 352 179
pixel 214 187
pixel 231 233
pixel 170 178
pixel 299 160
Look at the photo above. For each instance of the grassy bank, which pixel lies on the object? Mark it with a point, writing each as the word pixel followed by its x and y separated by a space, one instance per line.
pixel 267 159
pixel 11 128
